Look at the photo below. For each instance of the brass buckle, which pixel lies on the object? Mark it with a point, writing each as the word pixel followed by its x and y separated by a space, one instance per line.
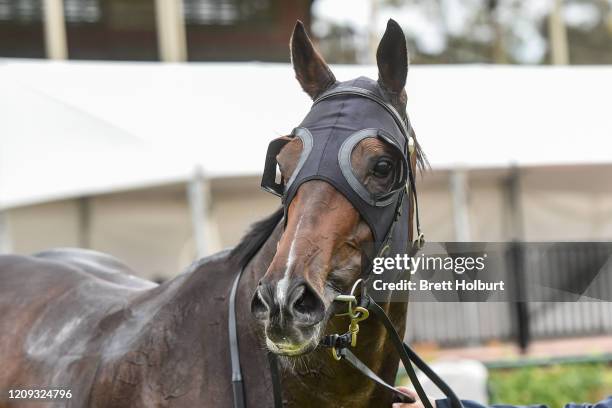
pixel 335 354
pixel 360 315
pixel 419 241
pixel 411 145
pixel 356 315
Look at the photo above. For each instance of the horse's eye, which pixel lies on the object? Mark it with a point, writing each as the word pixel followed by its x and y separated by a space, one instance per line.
pixel 382 168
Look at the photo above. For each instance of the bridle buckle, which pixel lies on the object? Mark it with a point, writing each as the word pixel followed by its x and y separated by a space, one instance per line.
pixel 419 242
pixel 355 314
pixel 361 314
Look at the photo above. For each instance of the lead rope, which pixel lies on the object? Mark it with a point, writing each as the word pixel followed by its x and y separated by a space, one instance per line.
pixel 276 385
pixel 237 384
pixel 408 356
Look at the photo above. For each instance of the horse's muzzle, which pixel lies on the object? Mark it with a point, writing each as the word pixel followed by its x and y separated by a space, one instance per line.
pixel 292 316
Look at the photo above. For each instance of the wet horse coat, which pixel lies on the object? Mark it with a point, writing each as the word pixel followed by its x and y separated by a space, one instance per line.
pixel 77 319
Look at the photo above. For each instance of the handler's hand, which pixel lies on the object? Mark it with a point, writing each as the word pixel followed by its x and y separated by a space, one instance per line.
pixel 417 404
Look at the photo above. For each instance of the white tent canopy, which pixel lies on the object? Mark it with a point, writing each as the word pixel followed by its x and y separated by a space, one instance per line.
pixel 77 128
pixel 50 150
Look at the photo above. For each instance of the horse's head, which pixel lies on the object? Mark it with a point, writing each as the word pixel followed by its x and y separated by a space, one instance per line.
pixel 343 171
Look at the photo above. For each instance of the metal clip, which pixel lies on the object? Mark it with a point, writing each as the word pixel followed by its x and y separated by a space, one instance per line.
pixel 355 314
pixel 335 354
pixel 411 145
pixel 360 314
pixel 419 241
pixel 350 299
pixel 345 298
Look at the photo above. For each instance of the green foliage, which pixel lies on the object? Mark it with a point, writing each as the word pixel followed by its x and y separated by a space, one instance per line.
pixel 553 385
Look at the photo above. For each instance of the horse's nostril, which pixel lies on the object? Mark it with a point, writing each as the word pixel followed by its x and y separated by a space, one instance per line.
pixel 307 305
pixel 259 308
pixel 301 304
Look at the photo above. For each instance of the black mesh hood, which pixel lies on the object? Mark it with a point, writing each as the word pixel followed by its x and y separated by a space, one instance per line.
pixel 331 123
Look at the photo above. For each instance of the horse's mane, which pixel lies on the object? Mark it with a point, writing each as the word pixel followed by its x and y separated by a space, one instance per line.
pixel 421 158
pixel 255 238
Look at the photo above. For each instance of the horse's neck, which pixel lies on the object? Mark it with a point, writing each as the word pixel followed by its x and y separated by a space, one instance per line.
pixel 186 312
pixel 313 379
pixel 168 340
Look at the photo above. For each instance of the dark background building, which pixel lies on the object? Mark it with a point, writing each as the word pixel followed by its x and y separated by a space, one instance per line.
pixel 482 31
pixel 216 30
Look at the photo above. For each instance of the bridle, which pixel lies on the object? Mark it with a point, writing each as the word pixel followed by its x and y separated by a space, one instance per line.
pixel 360 305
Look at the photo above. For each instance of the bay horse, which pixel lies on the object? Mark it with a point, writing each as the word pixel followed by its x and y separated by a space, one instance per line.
pixel 80 320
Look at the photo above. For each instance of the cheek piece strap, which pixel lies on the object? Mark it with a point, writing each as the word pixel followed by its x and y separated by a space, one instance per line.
pixel 338 114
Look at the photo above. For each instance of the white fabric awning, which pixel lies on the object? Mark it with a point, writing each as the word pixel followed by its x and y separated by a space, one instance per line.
pixel 77 128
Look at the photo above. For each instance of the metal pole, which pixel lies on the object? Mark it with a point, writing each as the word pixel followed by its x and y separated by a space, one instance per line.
pixel 557 33
pixel 372 33
pixel 515 219
pixel 461 216
pixel 499 46
pixel 171 35
pixel 84 223
pixel 198 196
pixel 5 235
pixel 56 43
pixel 520 314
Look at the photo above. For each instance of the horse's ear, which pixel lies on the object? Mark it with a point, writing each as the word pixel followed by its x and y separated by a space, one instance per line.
pixel 392 58
pixel 311 70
